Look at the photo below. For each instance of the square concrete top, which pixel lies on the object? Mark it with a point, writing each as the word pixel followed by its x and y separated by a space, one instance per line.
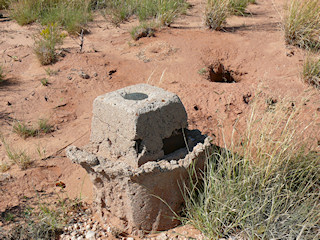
pixel 139 98
pixel 135 121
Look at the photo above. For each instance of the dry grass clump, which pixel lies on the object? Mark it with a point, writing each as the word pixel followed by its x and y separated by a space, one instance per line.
pixel 311 71
pixel 302 24
pixel 46 42
pixel 264 187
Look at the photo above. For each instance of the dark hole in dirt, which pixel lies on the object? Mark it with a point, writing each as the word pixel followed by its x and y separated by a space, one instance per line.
pixel 138 146
pixel 173 143
pixel 218 73
pixel 246 98
pixel 135 96
pixel 196 108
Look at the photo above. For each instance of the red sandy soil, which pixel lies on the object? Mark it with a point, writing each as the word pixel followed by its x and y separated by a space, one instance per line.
pixel 252 46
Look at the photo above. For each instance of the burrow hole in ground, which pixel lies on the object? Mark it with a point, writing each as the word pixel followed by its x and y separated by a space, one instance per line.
pixel 217 72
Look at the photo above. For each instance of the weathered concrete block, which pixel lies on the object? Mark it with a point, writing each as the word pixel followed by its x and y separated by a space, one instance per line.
pixel 138 123
pixel 144 198
pixel 140 156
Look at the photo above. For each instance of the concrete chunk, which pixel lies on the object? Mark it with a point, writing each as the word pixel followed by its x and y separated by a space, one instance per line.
pixel 134 123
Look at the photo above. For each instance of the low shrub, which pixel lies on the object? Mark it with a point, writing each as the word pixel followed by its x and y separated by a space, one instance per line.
pixel 301 24
pixel 311 71
pixel 46 42
pixel 264 187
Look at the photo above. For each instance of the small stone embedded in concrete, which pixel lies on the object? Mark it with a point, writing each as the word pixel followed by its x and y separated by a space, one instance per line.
pixel 91 235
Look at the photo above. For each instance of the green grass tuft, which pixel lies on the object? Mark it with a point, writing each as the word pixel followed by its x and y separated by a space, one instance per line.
pixel 311 71
pixel 264 187
pixel 216 13
pixel 72 15
pixel 302 24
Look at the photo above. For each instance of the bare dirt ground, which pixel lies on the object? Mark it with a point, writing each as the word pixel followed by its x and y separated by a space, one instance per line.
pixel 251 47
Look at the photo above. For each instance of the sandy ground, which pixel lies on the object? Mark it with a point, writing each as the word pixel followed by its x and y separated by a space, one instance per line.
pixel 251 47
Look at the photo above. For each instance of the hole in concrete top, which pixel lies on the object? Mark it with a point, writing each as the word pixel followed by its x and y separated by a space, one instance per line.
pixel 135 96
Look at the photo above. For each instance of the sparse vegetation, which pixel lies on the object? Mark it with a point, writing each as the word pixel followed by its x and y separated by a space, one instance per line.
pixel 72 15
pixel 238 7
pixel 264 187
pixel 4 4
pixel 18 157
pixel 26 131
pixel 217 11
pixel 44 126
pixel 46 42
pixel 4 166
pixel 2 76
pixel 145 29
pixel 43 221
pixel 164 11
pixel 51 72
pixel 302 24
pixel 44 81
pixel 23 130
pixel 311 71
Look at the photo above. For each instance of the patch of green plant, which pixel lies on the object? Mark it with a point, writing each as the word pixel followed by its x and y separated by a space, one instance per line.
pixel 145 29
pixel 301 24
pixel 18 157
pixel 202 71
pixel 238 7
pixel 51 72
pixel 44 126
pixel 4 4
pixel 266 186
pixel 46 42
pixel 311 71
pixel 44 81
pixel 26 131
pixel 72 15
pixel 164 11
pixel 23 130
pixel 43 221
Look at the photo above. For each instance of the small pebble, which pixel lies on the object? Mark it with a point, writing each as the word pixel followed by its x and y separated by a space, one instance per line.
pixel 91 235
